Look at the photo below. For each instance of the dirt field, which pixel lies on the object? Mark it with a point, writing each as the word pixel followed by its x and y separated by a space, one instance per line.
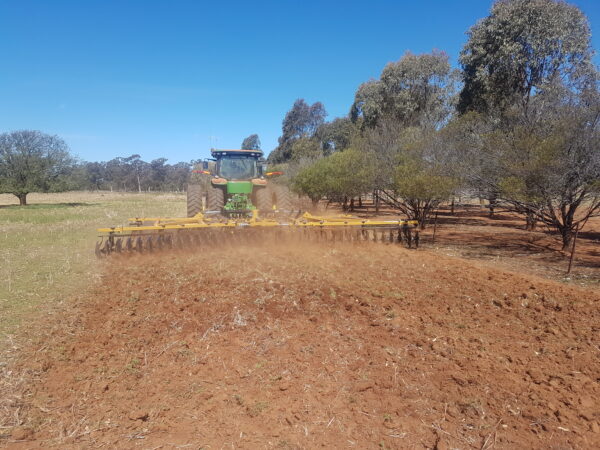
pixel 45 247
pixel 311 346
pixel 502 241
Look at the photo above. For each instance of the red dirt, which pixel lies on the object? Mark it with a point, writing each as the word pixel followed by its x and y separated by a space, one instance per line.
pixel 368 346
pixel 502 241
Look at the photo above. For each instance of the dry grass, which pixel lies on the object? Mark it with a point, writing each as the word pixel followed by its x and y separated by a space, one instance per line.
pixel 47 254
pixel 47 247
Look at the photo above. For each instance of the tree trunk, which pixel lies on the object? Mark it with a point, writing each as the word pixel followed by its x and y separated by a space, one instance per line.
pixel 360 201
pixel 22 199
pixel 452 206
pixel 530 222
pixel 376 198
pixel 352 204
pixel 422 216
pixel 566 235
pixel 492 201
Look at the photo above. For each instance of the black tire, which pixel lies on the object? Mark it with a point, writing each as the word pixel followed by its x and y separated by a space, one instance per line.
pixel 264 199
pixel 215 199
pixel 283 198
pixel 194 199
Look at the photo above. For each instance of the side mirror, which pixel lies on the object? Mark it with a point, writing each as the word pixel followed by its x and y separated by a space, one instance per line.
pixel 263 168
pixel 205 165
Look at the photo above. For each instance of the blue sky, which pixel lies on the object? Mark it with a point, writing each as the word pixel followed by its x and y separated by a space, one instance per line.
pixel 174 78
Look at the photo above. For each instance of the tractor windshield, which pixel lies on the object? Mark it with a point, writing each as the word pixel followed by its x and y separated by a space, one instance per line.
pixel 238 168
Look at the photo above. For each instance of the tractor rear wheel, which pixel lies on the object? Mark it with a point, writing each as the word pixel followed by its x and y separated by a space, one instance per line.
pixel 194 199
pixel 282 200
pixel 215 199
pixel 264 199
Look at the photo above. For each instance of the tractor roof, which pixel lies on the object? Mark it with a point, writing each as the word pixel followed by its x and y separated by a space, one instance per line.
pixel 220 152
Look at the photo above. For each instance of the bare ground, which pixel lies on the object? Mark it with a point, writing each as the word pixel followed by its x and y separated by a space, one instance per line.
pixel 502 241
pixel 304 346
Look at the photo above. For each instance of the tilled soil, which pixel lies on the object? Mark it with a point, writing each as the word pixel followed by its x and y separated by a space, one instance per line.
pixel 337 346
pixel 503 241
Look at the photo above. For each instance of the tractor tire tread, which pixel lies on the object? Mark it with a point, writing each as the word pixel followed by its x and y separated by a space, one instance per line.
pixel 194 199
pixel 263 199
pixel 283 197
pixel 215 199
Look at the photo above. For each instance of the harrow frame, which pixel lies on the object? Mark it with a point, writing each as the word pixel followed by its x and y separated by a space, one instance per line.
pixel 147 234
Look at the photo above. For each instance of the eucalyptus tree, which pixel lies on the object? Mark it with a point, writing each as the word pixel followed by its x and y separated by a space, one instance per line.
pixel 32 161
pixel 252 142
pixel 521 46
pixel 402 113
pixel 300 122
pixel 532 90
pixel 416 91
pixel 336 135
pixel 549 165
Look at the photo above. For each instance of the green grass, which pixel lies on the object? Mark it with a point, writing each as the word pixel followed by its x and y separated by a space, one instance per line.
pixel 47 247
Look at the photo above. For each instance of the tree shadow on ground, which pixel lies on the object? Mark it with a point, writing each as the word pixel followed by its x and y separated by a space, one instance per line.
pixel 502 235
pixel 591 235
pixel 544 246
pixel 46 205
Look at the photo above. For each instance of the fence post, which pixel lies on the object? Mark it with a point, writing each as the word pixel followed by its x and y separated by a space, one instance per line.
pixel 572 251
pixel 434 228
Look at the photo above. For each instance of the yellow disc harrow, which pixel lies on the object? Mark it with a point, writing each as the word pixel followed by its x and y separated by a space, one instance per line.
pixel 145 235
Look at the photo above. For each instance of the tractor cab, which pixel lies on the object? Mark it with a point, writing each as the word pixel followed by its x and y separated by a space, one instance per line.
pixel 238 165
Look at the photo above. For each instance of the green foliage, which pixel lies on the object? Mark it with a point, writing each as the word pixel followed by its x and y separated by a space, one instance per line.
pixel 252 142
pixel 343 174
pixel 300 122
pixel 542 162
pixel 313 181
pixel 417 90
pixel 513 187
pixel 352 173
pixel 31 161
pixel 336 135
pixel 519 48
pixel 305 148
pixel 422 178
pixel 422 184
pixel 134 174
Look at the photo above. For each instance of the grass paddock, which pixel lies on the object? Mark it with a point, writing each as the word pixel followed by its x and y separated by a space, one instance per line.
pixel 47 247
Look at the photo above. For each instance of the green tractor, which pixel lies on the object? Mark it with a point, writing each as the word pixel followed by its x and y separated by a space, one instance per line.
pixel 234 184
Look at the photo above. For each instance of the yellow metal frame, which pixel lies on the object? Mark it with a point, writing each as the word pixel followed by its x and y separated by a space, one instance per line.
pixel 199 221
